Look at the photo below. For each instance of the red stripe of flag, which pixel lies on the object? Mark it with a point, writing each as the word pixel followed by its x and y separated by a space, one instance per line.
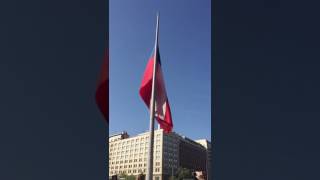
pixel 162 107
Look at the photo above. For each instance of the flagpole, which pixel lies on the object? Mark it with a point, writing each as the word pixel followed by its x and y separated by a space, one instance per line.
pixel 152 109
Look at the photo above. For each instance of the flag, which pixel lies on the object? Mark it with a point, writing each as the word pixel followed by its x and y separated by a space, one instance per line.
pixel 102 92
pixel 162 107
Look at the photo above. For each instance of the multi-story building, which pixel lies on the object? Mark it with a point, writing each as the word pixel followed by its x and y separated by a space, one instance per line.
pixel 129 155
pixel 192 155
pixel 207 144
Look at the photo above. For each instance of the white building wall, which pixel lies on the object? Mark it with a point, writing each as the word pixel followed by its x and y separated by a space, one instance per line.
pixel 130 155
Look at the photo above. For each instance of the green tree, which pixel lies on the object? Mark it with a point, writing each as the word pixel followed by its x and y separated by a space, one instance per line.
pixel 130 177
pixel 184 173
pixel 123 175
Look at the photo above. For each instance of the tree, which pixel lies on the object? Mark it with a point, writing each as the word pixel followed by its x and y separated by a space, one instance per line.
pixel 141 176
pixel 130 177
pixel 184 173
pixel 122 175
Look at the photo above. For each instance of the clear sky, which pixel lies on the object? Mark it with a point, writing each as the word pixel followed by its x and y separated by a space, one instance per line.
pixel 185 48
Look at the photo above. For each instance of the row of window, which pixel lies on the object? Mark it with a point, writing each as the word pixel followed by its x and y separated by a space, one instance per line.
pixel 132 156
pixel 133 149
pixel 142 149
pixel 170 144
pixel 112 160
pixel 170 161
pixel 128 166
pixel 169 155
pixel 146 138
pixel 133 171
pixel 131 153
pixel 134 165
pixel 128 161
pixel 132 146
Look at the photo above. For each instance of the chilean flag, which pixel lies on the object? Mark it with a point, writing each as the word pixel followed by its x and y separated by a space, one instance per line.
pixel 102 92
pixel 162 107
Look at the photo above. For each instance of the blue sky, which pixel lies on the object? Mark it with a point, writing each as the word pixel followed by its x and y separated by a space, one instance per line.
pixel 185 48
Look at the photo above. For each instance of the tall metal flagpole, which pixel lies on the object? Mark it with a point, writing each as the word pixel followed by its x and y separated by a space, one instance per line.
pixel 152 107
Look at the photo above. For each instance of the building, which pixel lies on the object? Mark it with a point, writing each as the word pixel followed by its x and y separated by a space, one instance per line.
pixel 128 155
pixel 207 144
pixel 192 155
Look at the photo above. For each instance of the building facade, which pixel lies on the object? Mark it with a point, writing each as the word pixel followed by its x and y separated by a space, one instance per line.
pixel 192 155
pixel 129 155
pixel 207 144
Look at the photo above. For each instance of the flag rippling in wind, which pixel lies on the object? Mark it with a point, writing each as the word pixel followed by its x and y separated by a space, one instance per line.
pixel 162 107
